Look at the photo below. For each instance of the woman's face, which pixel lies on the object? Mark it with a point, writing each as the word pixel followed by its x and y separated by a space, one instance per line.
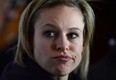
pixel 58 39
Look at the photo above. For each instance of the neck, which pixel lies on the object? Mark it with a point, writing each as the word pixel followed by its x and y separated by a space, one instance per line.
pixel 61 77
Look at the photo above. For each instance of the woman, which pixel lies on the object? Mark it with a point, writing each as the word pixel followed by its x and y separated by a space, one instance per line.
pixel 54 39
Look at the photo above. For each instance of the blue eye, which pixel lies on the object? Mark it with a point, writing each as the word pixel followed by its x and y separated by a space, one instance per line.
pixel 72 35
pixel 49 34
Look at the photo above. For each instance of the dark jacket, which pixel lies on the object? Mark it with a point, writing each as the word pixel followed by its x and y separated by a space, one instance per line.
pixel 6 57
pixel 31 71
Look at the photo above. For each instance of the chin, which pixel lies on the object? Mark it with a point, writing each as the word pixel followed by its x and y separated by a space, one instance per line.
pixel 61 72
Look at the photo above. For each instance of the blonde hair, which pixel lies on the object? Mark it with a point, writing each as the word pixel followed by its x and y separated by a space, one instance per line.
pixel 26 29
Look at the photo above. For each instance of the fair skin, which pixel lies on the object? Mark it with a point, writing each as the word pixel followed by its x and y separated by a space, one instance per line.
pixel 58 40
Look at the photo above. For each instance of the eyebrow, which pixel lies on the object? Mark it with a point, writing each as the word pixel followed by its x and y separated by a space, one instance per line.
pixel 50 26
pixel 75 28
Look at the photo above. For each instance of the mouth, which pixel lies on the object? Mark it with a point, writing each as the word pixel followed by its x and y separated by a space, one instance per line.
pixel 63 58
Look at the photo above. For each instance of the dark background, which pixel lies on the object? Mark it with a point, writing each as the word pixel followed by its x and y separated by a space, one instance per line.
pixel 105 28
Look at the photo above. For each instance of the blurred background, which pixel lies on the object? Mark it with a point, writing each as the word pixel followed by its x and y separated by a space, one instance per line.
pixel 105 27
pixel 10 12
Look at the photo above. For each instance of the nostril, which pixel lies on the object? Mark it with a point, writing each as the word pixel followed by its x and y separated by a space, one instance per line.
pixel 58 47
pixel 61 47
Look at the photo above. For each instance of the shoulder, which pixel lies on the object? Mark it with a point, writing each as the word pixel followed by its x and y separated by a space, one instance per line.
pixel 15 71
pixel 12 71
pixel 6 57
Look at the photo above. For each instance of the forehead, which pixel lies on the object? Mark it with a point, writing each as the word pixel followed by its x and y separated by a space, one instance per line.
pixel 59 9
pixel 60 16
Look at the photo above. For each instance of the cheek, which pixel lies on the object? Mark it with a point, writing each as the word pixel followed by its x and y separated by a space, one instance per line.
pixel 77 54
pixel 78 49
pixel 40 52
pixel 41 47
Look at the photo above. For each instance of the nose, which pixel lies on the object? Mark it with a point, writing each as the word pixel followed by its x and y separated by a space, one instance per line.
pixel 62 44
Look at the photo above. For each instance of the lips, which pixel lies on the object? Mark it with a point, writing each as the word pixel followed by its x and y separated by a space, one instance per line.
pixel 63 58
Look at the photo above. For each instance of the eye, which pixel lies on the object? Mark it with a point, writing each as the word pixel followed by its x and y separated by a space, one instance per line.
pixel 72 35
pixel 49 34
